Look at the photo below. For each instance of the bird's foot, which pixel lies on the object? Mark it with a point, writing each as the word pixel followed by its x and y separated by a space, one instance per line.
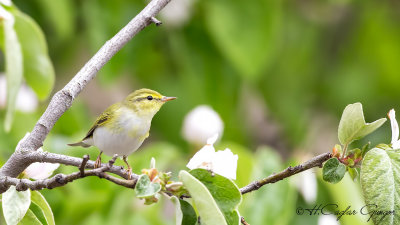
pixel 125 158
pixel 129 173
pixel 97 164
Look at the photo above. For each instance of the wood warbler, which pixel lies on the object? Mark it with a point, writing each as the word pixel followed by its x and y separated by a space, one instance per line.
pixel 122 127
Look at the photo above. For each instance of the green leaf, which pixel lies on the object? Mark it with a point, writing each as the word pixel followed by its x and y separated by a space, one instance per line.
pixel 352 125
pixel 224 191
pixel 38 69
pixel 15 205
pixel 380 183
pixel 353 173
pixel 333 171
pixel 178 211
pixel 14 69
pixel 355 152
pixel 184 212
pixel 145 188
pixel 206 206
pixel 60 15
pixel 365 149
pixel 345 193
pixel 189 215
pixel 249 44
pixel 30 219
pixel 40 201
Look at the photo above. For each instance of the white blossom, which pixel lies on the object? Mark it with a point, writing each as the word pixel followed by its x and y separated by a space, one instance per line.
pixel 328 220
pixel 6 2
pixel 4 14
pixel 223 162
pixel 306 183
pixel 39 170
pixel 395 129
pixel 177 12
pixel 200 124
pixel 26 101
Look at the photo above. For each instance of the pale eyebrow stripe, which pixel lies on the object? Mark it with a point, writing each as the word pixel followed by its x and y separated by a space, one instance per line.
pixel 143 98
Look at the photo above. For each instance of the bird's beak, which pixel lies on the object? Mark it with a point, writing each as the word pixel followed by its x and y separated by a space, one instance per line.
pixel 166 99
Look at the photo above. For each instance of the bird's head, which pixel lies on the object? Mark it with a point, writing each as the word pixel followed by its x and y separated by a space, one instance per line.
pixel 146 102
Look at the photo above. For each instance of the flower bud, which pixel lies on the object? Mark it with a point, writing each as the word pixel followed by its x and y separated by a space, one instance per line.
pixel 200 124
pixel 177 12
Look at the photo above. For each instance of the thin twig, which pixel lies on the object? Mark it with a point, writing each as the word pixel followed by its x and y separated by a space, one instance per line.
pixel 243 221
pixel 344 150
pixel 156 21
pixel 112 160
pixel 83 164
pixel 290 171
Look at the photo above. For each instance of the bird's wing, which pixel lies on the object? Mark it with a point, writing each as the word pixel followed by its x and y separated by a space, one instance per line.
pixel 103 119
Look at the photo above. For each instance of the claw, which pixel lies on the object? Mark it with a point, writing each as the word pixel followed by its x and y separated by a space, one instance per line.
pixel 97 164
pixel 129 173
pixel 129 167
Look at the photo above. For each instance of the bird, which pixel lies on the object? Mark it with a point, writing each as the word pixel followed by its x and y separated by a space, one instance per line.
pixel 123 126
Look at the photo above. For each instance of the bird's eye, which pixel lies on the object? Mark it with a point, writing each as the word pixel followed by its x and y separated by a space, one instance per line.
pixel 149 97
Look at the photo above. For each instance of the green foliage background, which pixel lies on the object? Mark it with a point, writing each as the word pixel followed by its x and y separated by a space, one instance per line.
pixel 274 70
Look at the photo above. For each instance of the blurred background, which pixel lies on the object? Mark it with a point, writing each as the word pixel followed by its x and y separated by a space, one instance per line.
pixel 277 74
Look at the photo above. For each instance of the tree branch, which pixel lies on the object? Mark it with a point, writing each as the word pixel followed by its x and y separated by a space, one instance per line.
pixel 83 165
pixel 62 179
pixel 48 157
pixel 290 171
pixel 62 100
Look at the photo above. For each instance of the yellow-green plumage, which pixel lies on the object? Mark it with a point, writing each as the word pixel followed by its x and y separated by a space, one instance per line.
pixel 123 126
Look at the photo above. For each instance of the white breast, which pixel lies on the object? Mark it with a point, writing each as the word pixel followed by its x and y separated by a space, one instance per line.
pixel 129 136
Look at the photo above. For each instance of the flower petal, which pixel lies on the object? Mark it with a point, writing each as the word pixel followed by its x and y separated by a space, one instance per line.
pixel 212 140
pixel 202 158
pixel 225 163
pixel 395 127
pixel 328 220
pixel 6 2
pixel 396 144
pixel 40 170
pixel 306 183
pixel 4 14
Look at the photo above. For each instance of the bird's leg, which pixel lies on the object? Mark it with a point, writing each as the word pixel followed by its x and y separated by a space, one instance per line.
pixel 129 167
pixel 97 164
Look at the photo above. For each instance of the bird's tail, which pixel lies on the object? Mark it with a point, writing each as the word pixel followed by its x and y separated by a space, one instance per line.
pixel 80 144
